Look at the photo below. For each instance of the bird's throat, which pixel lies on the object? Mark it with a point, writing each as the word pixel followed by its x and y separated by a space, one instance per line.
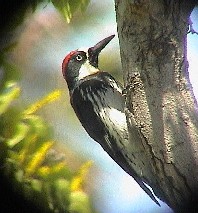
pixel 86 70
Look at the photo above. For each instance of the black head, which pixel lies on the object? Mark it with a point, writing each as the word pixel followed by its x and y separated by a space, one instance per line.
pixel 82 62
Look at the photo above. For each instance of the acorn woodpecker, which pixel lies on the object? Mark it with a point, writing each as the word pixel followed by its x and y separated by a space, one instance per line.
pixel 97 100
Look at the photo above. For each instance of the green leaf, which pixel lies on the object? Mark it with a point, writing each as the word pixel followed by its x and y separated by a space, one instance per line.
pixel 38 127
pixel 9 70
pixel 9 93
pixel 62 193
pixel 50 173
pixel 36 185
pixel 25 147
pixel 68 7
pixel 42 102
pixel 77 182
pixel 79 202
pixel 20 134
pixel 19 175
pixel 38 158
pixel 84 4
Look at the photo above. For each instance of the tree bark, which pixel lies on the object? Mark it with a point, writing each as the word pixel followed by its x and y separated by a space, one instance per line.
pixel 161 110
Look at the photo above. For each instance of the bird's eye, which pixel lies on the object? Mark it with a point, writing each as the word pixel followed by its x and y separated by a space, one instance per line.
pixel 79 58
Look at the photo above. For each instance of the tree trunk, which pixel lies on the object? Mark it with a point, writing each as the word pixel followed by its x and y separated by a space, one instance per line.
pixel 160 106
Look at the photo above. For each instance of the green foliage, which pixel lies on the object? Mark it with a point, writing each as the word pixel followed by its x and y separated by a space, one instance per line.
pixel 25 138
pixel 79 202
pixel 10 92
pixel 25 144
pixel 7 69
pixel 68 7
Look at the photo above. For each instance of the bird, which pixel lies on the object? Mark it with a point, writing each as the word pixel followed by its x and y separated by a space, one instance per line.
pixel 98 102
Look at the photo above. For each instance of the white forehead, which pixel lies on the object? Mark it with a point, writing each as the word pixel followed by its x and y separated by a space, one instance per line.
pixel 84 49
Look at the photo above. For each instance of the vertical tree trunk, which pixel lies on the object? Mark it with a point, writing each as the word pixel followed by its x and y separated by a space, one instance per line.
pixel 160 106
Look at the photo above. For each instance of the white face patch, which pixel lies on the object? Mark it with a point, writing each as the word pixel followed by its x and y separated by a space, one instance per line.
pixel 86 70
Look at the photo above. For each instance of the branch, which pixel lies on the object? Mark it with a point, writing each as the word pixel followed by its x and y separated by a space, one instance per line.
pixel 159 98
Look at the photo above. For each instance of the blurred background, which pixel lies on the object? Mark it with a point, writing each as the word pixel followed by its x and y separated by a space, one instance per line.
pixel 42 41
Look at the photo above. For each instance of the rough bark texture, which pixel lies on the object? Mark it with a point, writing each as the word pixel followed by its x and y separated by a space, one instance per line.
pixel 160 106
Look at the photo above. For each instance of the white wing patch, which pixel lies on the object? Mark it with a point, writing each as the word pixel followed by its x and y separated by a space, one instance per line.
pixel 115 122
pixel 113 119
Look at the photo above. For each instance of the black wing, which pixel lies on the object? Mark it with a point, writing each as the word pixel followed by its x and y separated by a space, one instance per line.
pixel 93 100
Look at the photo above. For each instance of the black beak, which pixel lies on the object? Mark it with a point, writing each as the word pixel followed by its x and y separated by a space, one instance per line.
pixel 94 51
